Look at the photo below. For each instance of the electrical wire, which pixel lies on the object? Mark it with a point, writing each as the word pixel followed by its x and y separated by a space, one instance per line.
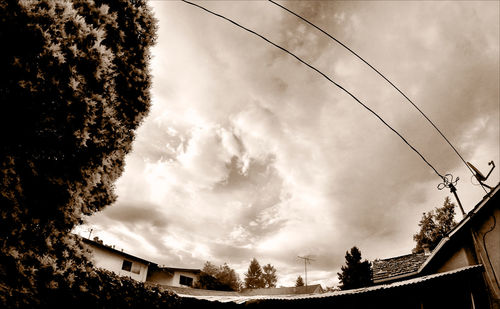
pixel 381 75
pixel 322 74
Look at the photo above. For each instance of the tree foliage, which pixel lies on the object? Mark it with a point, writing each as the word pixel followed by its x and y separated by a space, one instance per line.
pixel 434 225
pixel 228 277
pixel 269 276
pixel 74 87
pixel 222 278
pixel 355 274
pixel 253 277
pixel 299 281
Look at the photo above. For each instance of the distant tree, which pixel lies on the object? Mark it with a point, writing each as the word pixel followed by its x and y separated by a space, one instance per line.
pixel 210 269
pixel 355 274
pixel 434 225
pixel 299 281
pixel 222 278
pixel 74 85
pixel 208 278
pixel 253 277
pixel 269 276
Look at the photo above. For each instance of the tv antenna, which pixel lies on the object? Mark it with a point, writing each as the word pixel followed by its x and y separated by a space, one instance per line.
pixel 480 177
pixel 306 259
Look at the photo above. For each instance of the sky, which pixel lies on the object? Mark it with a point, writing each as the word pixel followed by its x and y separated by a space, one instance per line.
pixel 247 153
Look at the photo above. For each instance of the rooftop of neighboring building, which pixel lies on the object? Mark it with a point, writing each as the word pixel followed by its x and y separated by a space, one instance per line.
pixel 397 267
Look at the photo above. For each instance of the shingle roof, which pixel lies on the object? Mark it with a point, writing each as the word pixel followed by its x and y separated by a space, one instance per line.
pixel 400 266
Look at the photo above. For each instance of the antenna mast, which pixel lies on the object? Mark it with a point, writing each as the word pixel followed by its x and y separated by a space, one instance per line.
pixel 306 260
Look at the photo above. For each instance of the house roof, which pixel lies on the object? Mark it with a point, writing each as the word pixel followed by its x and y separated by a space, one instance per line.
pixel 397 267
pixel 186 291
pixel 111 249
pixel 240 298
pixel 466 221
pixel 174 269
pixel 99 244
pixel 310 289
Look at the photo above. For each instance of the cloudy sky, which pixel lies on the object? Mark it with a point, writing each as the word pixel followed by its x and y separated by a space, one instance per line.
pixel 248 153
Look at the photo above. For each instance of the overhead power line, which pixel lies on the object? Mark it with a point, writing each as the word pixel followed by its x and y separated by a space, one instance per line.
pixel 322 74
pixel 381 75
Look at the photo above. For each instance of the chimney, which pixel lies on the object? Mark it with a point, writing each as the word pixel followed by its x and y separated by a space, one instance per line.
pixel 427 250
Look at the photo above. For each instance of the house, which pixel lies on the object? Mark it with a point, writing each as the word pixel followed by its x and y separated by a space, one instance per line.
pixel 176 277
pixel 117 261
pixel 124 264
pixel 473 241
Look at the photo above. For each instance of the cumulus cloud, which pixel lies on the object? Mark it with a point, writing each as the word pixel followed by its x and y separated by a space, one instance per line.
pixel 247 153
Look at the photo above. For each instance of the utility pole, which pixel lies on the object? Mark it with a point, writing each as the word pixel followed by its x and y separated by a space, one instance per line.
pixel 306 260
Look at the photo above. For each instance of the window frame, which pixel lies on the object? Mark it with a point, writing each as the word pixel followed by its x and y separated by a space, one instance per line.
pixel 127 265
pixel 188 281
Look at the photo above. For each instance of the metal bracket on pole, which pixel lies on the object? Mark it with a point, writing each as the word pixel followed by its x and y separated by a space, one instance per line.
pixel 448 182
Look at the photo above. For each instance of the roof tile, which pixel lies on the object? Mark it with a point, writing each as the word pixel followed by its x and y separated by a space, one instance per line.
pixel 397 266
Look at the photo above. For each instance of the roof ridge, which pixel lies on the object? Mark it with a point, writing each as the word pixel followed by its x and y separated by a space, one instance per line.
pixel 400 256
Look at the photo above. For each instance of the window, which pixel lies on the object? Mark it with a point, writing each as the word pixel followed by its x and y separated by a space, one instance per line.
pixel 127 265
pixel 186 280
pixel 136 268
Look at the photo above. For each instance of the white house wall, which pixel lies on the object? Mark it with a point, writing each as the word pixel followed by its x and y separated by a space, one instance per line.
pixel 161 277
pixel 113 262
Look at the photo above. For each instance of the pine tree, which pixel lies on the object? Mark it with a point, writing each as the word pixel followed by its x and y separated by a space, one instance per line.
pixel 253 277
pixel 434 225
pixel 355 274
pixel 299 281
pixel 269 276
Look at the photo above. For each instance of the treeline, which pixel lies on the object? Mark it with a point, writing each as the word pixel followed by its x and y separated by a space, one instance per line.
pixel 224 278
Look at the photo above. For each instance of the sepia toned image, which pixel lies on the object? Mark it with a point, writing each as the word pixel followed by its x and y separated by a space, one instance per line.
pixel 179 154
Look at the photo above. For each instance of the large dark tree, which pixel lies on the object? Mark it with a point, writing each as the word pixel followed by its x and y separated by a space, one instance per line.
pixel 434 225
pixel 253 277
pixel 356 273
pixel 74 85
pixel 269 276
